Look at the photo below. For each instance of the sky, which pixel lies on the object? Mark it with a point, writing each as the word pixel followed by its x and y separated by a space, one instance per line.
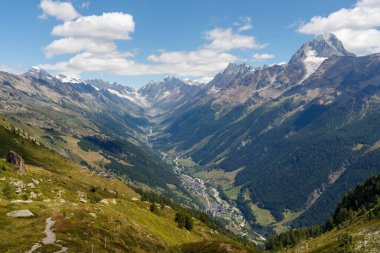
pixel 134 41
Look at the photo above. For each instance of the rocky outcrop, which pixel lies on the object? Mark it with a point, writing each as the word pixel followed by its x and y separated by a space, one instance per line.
pixel 13 158
pixel 20 214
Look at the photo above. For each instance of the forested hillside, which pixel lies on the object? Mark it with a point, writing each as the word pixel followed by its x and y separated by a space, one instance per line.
pixel 353 227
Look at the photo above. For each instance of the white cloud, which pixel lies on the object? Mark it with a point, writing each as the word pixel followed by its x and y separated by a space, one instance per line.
pixel 356 27
pixel 259 57
pixel 76 45
pixel 59 10
pixel 207 60
pixel 92 41
pixel 89 62
pixel 109 26
pixel 227 39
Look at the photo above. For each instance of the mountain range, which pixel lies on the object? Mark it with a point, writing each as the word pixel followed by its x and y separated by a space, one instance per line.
pixel 280 145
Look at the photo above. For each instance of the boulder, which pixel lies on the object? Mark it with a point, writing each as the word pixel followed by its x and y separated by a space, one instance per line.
pixel 20 213
pixel 13 158
pixel 31 186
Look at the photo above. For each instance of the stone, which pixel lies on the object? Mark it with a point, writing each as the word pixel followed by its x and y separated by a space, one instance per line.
pixel 33 195
pixel 104 201
pixel 16 160
pixel 20 213
pixel 31 185
pixel 17 201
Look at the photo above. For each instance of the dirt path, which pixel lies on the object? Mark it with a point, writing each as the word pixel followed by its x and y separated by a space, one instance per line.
pixel 49 239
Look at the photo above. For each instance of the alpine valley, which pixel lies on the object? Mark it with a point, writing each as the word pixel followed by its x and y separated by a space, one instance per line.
pixel 257 158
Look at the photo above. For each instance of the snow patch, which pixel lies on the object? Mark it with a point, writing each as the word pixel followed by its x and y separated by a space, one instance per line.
pixel 132 96
pixel 96 88
pixel 68 79
pixel 312 62
pixel 213 90
pixel 165 94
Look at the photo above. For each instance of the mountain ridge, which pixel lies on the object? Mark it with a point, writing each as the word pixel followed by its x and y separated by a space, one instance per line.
pixel 248 126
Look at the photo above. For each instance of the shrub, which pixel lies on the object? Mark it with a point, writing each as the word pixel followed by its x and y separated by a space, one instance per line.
pixel 184 220
pixel 153 208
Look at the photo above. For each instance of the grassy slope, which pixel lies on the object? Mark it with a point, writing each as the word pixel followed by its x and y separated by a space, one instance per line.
pixel 123 226
pixel 365 238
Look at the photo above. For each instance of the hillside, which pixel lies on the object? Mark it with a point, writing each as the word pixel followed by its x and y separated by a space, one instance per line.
pixel 260 149
pixel 64 114
pixel 75 210
pixel 289 140
pixel 353 227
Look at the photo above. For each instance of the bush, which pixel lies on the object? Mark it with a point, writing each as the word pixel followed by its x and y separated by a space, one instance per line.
pixel 153 208
pixel 184 220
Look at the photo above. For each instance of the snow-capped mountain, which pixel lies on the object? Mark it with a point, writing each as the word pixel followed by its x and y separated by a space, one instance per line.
pixel 169 93
pixel 286 130
pixel 311 55
pixel 122 91
pixel 240 83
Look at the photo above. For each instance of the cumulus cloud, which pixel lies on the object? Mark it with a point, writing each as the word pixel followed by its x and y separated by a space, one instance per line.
pixel 356 27
pixel 76 45
pixel 227 39
pixel 59 10
pixel 207 60
pixel 210 58
pixel 109 26
pixel 259 57
pixel 91 42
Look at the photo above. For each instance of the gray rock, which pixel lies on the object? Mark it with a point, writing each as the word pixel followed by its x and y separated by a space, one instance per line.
pixel 13 158
pixel 20 213
pixel 31 185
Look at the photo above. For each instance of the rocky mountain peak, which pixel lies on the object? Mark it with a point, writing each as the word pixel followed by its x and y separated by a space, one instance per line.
pixel 37 72
pixel 168 83
pixel 311 54
pixel 234 69
pixel 323 46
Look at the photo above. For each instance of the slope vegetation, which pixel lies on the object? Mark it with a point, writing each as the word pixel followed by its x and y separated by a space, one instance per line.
pixel 75 210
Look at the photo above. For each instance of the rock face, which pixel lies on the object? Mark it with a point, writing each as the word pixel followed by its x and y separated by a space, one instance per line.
pixel 13 158
pixel 20 213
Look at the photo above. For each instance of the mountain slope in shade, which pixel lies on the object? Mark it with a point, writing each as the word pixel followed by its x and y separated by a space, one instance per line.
pixel 293 132
pixel 285 140
pixel 353 227
pixel 240 89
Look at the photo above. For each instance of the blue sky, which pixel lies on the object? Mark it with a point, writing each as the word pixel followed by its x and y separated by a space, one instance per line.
pixel 134 41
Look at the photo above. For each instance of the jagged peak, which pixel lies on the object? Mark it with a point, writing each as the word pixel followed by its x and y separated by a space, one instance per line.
pixel 234 68
pixel 37 72
pixel 36 69
pixel 326 45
